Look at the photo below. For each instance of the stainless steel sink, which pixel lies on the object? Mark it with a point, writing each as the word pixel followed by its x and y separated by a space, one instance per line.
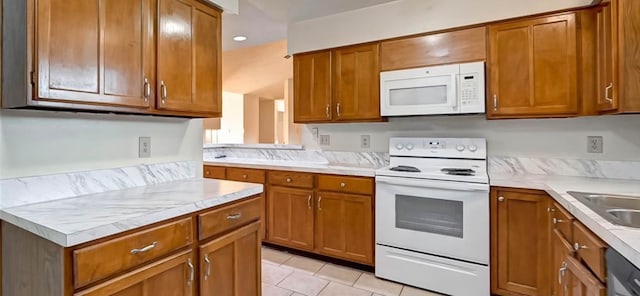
pixel 617 209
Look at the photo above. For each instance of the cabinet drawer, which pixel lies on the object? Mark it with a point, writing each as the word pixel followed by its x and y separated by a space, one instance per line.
pixel 562 221
pixel 246 175
pixel 214 172
pixel 358 185
pixel 100 261
pixel 590 249
pixel 291 179
pixel 223 219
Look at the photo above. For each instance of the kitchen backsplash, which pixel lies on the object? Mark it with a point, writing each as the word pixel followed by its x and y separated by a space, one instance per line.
pixel 497 164
pixel 337 158
pixel 565 167
pixel 28 190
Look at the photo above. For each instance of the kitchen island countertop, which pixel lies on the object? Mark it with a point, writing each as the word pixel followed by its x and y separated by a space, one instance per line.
pixel 73 221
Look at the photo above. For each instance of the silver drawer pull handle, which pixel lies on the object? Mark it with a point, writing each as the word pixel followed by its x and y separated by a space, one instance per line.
pixel 163 92
pixel 343 185
pixel 556 221
pixel 244 176
pixel 207 273
pixel 501 198
pixel 234 216
pixel 192 272
pixel 606 93
pixel 309 201
pixel 145 249
pixel 289 180
pixel 561 272
pixel 578 247
pixel 320 203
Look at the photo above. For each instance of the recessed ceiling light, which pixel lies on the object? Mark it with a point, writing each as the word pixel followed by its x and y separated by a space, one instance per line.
pixel 240 38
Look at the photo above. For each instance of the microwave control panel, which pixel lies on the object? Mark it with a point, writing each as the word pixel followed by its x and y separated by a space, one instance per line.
pixel 469 89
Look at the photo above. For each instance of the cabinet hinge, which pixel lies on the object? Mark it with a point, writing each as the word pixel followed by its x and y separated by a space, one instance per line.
pixel 33 77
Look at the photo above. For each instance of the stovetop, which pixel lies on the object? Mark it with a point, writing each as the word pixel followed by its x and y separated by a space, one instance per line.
pixel 447 159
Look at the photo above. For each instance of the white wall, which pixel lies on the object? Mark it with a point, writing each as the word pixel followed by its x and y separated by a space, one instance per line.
pixel 46 142
pixel 251 119
pixel 561 138
pixel 232 121
pixel 407 17
pixel 228 6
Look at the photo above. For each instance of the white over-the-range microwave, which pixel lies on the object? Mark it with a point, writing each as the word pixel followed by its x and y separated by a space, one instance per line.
pixel 447 89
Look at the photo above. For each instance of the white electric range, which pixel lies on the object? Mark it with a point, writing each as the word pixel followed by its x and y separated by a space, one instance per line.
pixel 432 215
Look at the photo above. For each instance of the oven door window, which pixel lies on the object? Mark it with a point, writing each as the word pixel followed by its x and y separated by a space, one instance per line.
pixel 430 215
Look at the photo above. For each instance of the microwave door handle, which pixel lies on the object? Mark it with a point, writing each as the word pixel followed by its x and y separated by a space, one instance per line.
pixel 455 91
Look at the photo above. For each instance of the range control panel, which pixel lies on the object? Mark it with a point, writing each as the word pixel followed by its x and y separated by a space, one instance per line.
pixel 470 148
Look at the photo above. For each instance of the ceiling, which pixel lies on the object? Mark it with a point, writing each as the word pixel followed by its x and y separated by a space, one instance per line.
pixel 264 21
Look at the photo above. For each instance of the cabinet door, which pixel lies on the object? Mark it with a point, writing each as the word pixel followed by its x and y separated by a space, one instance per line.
pixel 172 276
pixel 560 250
pixel 312 87
pixel 231 264
pixel 189 54
pixel 95 51
pixel 606 95
pixel 356 83
pixel 580 281
pixel 533 68
pixel 519 242
pixel 344 227
pixel 290 217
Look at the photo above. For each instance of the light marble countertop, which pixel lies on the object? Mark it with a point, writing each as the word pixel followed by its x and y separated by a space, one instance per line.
pixel 625 240
pixel 296 166
pixel 72 221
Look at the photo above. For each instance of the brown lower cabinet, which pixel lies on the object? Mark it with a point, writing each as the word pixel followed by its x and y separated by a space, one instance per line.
pixel 290 217
pixel 231 264
pixel 344 226
pixel 519 242
pixel 539 249
pixel 330 215
pixel 167 258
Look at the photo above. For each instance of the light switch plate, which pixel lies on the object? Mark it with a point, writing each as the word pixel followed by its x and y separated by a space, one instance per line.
pixel 144 147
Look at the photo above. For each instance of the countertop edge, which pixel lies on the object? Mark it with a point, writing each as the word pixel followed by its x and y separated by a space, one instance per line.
pixel 73 239
pixel 331 170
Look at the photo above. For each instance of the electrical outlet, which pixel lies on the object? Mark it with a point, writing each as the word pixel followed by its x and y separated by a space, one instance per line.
pixel 595 144
pixel 315 133
pixel 325 140
pixel 144 147
pixel 365 141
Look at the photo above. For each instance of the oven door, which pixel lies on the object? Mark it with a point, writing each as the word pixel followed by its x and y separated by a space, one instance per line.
pixel 443 218
pixel 422 91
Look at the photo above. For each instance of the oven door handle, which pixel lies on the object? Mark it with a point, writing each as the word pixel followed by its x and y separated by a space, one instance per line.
pixel 446 185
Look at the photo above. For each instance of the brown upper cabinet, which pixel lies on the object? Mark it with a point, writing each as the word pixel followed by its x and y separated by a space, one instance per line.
pixel 458 46
pixel 341 85
pixel 106 56
pixel 618 56
pixel 189 59
pixel 533 68
pixel 312 87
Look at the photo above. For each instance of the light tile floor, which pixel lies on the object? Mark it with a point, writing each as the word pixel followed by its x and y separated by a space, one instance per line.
pixel 284 274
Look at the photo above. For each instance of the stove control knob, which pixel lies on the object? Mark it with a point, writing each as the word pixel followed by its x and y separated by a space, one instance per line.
pixel 473 148
pixel 460 148
pixel 409 146
pixel 399 146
